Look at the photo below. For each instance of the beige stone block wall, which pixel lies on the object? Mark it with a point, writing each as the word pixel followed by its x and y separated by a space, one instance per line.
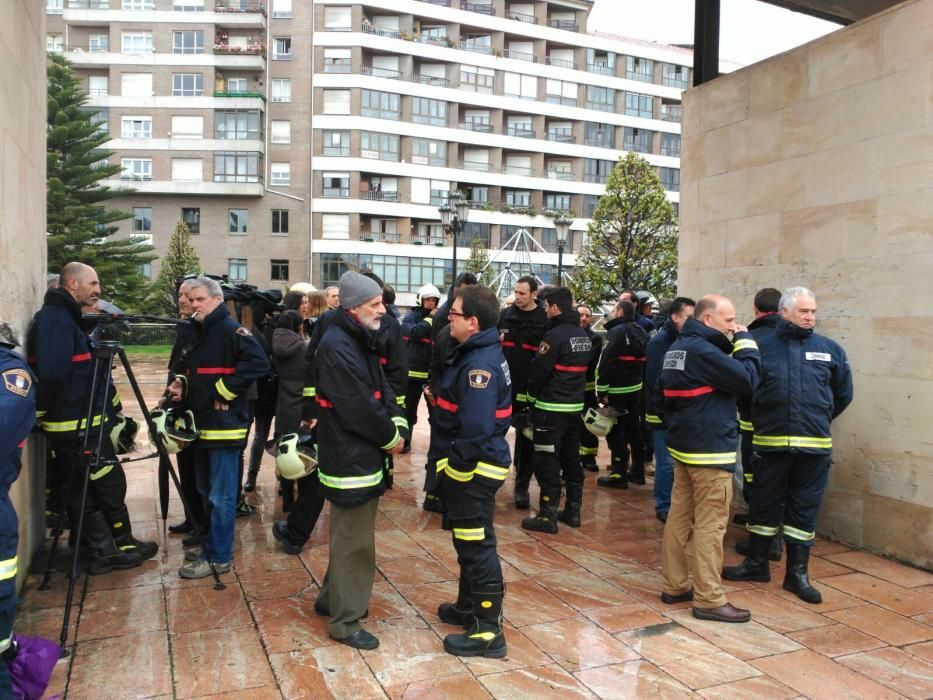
pixel 22 220
pixel 816 168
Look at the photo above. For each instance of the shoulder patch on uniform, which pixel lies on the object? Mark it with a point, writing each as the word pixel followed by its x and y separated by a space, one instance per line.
pixel 543 348
pixel 820 356
pixel 243 331
pixel 17 381
pixel 479 378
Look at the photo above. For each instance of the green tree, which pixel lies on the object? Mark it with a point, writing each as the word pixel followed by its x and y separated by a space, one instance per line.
pixel 180 259
pixel 478 261
pixel 78 226
pixel 632 238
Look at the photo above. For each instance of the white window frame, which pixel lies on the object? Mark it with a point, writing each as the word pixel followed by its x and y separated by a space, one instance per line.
pixel 280 131
pixel 286 43
pixel 183 127
pixel 54 7
pixel 195 91
pixel 280 174
pixel 336 101
pixel 281 90
pixel 55 42
pixel 136 169
pixel 335 226
pixel 132 127
pixel 338 18
pixel 138 5
pixel 237 264
pixel 281 9
pixel 196 165
pixel 136 42
pixel 97 91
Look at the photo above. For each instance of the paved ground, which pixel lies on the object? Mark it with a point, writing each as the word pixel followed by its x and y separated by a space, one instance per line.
pixel 583 614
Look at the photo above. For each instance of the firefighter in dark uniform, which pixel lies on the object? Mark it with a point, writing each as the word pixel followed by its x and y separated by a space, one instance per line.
pixel 620 374
pixel 18 416
pixel 473 415
pixel 417 332
pixel 805 384
pixel 62 359
pixel 521 327
pixel 556 388
pixel 589 443
pixel 223 362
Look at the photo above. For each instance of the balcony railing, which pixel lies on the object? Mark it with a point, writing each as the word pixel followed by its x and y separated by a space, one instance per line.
pixel 377 72
pixel 248 50
pixel 520 131
pixel 640 76
pixel 379 237
pixel 484 8
pixel 442 3
pixel 671 115
pixel 380 196
pixel 521 17
pixel 87 5
pixel 480 127
pixel 425 239
pixel 600 68
pixel 560 175
pixel 672 152
pixel 527 171
pixel 560 135
pixel 336 192
pixel 567 24
pixel 561 63
pixel 468 45
pixel 520 55
pixel 239 6
pixel 474 166
pixel 226 93
pixel 368 28
pixel 434 40
pixel 429 80
pixel 599 141
pixel 671 81
pixel 86 48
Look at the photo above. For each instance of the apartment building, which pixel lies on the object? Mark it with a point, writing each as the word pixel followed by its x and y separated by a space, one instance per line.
pixel 299 139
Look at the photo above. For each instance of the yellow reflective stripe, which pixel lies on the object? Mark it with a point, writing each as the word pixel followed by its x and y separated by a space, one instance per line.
pixel 559 407
pixel 7 569
pixel 485 636
pixel 116 399
pixel 588 451
pixel 400 422
pixel 763 530
pixel 492 471
pixel 470 534
pixel 746 425
pixel 651 418
pixel 441 465
pixel 102 472
pixel 624 389
pixel 39 414
pixel 5 644
pixel 67 425
pixel 703 459
pixel 234 434
pixel 744 344
pixel 394 441
pixel 523 398
pixel 802 535
pixel 824 443
pixel 350 482
pixel 749 477
pixel 309 392
pixel 591 386
pixel 415 374
pixel 456 474
pixel 602 388
pixel 223 390
pixel 429 320
pixel 400 400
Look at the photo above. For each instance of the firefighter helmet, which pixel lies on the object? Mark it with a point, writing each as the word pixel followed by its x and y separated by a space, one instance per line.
pixel 174 428
pixel 428 291
pixel 600 421
pixel 123 435
pixel 297 456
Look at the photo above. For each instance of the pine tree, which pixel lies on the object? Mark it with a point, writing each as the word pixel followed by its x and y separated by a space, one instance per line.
pixel 632 238
pixel 79 227
pixel 180 260
pixel 478 261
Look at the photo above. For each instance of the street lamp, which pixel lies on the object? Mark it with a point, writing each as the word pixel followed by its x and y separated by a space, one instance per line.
pixel 454 216
pixel 562 224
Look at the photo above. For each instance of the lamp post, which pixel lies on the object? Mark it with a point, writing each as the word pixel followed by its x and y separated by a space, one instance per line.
pixel 562 224
pixel 454 215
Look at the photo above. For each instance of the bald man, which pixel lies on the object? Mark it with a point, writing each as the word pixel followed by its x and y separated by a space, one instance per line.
pixel 702 375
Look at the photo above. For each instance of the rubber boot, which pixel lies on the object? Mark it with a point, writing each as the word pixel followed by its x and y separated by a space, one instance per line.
pixel 571 512
pixel 755 567
pixel 636 475
pixel 485 637
pixel 546 519
pixel 251 475
pixel 796 579
pixel 461 612
pixel 774 555
pixel 123 537
pixel 614 480
pixel 105 556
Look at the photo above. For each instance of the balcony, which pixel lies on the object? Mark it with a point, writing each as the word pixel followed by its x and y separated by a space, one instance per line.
pixel 561 135
pixel 565 24
pixel 479 127
pixel 675 82
pixel 600 69
pixel 561 63
pixel 519 56
pixel 380 196
pixel 640 76
pixel 469 45
pixel 235 94
pixel 376 72
pixel 368 28
pixel 523 170
pixel 336 150
pixel 421 238
pixel 429 80
pixel 483 8
pixel 255 49
pixel 240 6
pixel 474 166
pixel 379 237
pixel 561 175
pixel 521 132
pixel 672 114
pixel 521 17
pixel 672 151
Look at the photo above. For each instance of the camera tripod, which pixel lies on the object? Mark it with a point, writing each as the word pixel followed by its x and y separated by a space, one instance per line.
pixel 89 460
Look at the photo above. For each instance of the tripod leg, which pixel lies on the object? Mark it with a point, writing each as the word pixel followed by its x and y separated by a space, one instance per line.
pixel 57 530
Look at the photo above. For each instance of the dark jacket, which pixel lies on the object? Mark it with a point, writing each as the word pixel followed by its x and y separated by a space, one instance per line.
pixel 760 328
pixel 443 344
pixel 557 381
pixel 520 333
pixel 805 384
pixel 417 326
pixel 223 362
pixel 591 368
pixel 288 358
pixel 654 359
pixel 703 373
pixel 621 368
pixel 359 418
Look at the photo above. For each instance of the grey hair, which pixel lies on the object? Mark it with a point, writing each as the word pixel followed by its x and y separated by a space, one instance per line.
pixel 789 297
pixel 211 285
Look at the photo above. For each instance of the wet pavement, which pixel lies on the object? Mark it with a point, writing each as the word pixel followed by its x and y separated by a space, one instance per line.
pixel 582 610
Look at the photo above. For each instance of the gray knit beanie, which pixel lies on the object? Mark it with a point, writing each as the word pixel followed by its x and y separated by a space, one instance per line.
pixel 356 289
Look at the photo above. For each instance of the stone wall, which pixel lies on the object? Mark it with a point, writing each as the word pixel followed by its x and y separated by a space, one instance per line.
pixel 816 168
pixel 22 218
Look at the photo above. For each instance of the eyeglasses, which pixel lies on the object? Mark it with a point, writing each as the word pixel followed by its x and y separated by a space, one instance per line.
pixel 456 313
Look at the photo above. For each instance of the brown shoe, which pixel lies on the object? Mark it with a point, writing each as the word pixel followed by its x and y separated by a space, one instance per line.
pixel 670 599
pixel 724 613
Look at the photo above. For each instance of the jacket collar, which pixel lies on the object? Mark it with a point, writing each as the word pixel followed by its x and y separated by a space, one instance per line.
pixel 215 316
pixel 786 329
pixel 767 321
pixel 60 297
pixel 696 329
pixel 354 328
pixel 483 339
pixel 670 329
pixel 571 317
pixel 612 323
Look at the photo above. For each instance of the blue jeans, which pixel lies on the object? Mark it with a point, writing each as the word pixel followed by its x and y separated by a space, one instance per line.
pixel 217 484
pixel 663 472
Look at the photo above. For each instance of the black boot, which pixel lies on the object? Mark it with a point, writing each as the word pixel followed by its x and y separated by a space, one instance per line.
pixel 755 567
pixel 571 512
pixel 123 537
pixel 774 554
pixel 522 500
pixel 251 475
pixel 546 519
pixel 614 480
pixel 636 475
pixel 796 579
pixel 461 612
pixel 485 637
pixel 105 556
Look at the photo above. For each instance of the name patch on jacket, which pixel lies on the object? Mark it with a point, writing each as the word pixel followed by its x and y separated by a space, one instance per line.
pixel 581 344
pixel 17 381
pixel 675 359
pixel 479 378
pixel 508 375
pixel 821 356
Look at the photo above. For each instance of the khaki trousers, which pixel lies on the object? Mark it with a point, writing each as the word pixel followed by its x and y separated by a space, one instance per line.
pixel 699 506
pixel 348 583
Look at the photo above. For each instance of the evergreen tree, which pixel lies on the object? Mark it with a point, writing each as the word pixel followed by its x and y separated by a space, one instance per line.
pixel 478 261
pixel 79 227
pixel 180 260
pixel 632 238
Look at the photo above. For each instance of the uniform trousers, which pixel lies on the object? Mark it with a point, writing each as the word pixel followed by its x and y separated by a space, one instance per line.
pixel 556 451
pixel 699 509
pixel 748 465
pixel 524 460
pixel 663 472
pixel 589 443
pixel 307 509
pixel 107 488
pixel 413 395
pixel 626 433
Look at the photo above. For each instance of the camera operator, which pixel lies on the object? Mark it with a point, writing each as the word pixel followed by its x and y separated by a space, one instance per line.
pixel 61 355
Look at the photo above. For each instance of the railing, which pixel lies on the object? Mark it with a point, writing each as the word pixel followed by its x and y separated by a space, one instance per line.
pixel 518 170
pixel 136 178
pixel 86 48
pixel 379 237
pixel 567 24
pixel 239 6
pixel 599 141
pixel 561 100
pixel 520 131
pixel 336 192
pixel 479 127
pixel 675 82
pixel 368 28
pixel 442 3
pixel 671 115
pixel 467 45
pixel 428 80
pixel 474 166
pixel 248 50
pixel 380 196
pixel 520 55
pixel 482 8
pixel 600 69
pixel 561 63
pixel 560 175
pixel 428 240
pixel 672 152
pixel 88 5
pixel 336 150
pixel 429 160
pixel 377 72
pixel 240 94
pixel 521 17
pixel 560 135
pixel 600 106
pixel 640 76
pixel 339 65
pixel 435 41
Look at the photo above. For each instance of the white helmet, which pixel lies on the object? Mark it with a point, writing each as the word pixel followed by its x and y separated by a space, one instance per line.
pixel 645 297
pixel 600 421
pixel 123 435
pixel 427 291
pixel 297 456
pixel 174 428
pixel 303 287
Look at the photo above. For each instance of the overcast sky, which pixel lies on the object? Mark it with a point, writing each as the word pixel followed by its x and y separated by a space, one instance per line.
pixel 750 30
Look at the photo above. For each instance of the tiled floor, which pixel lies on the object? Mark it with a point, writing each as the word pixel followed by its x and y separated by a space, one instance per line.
pixel 583 615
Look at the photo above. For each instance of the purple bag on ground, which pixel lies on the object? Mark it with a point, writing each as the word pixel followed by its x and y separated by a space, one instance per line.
pixel 32 668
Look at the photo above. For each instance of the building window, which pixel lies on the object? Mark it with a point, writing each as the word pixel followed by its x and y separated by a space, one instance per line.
pixel 675 76
pixel 637 140
pixel 639 69
pixel 186 5
pixel 281 9
pixel 97 85
pixel 336 185
pixel 338 19
pixel 599 135
pixel 589 205
pixel 282 48
pixel 136 127
pixel 475 231
pixel 136 168
pixel 427 111
pixel 639 105
pixel 561 132
pixel 428 152
pixel 191 216
pixel 336 226
pixel 671 112
pixel 137 42
pixel 281 174
pixel 600 98
pixel 336 143
pixel 236 269
pixel 101 119
pixel 136 85
pixel 336 60
pixel 557 202
pixel 476 194
pixel 383 105
pixel 517 198
pixel 188 169
pixel 145 270
pixel 281 90
pixel 188 42
pixel 440 193
pixel 476 120
pixel 280 222
pixel 670 145
pixel 237 167
pixel 142 219
pixel 337 101
pixel 522 86
pixel 237 220
pixel 597 170
pixel 55 43
pixel 561 92
pixel 98 43
pixel 601 62
pixel 670 179
pixel 54 7
pixel 187 84
pixel 281 131
pixel 237 125
pixel 378 146
pixel 138 4
pixel 477 79
pixel 279 271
